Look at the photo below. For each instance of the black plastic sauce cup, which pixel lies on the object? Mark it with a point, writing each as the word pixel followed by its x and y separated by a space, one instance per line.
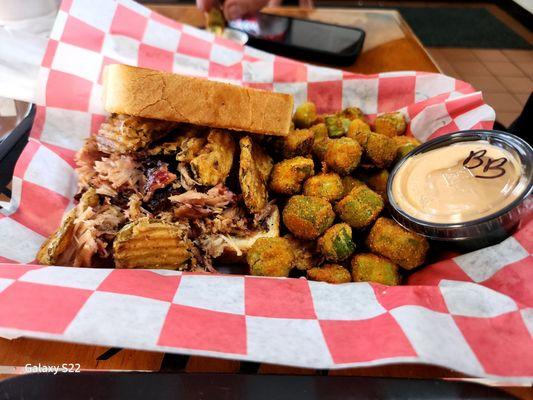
pixel 485 231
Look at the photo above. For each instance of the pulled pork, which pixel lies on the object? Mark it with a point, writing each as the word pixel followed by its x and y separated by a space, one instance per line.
pixel 194 204
pixel 85 159
pixel 117 172
pixel 157 177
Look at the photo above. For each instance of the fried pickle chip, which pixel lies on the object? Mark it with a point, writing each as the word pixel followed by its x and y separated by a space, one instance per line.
pixel 127 134
pixel 170 144
pixel 151 243
pixel 53 249
pixel 58 242
pixel 213 163
pixel 254 170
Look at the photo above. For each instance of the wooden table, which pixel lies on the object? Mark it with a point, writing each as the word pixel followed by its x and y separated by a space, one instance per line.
pixel 390 45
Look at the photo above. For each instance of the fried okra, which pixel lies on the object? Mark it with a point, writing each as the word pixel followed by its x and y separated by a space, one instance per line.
pixel 343 155
pixel 305 115
pixel 320 140
pixel 390 124
pixel 349 183
pixel 378 182
pixel 352 113
pixel 357 129
pixel 379 149
pixel 336 244
pixel 304 254
pixel 326 185
pixel 307 217
pixel 390 240
pixel 330 273
pixel 272 256
pixel 369 267
pixel 360 207
pixel 404 145
pixel 288 175
pixel 297 143
pixel 254 170
pixel 337 126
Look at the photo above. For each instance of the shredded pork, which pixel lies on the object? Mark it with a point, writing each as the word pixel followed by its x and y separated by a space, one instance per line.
pixel 194 204
pixel 117 172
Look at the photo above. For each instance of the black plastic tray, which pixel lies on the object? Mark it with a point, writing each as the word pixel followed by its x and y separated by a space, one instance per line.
pixel 12 146
pixel 138 385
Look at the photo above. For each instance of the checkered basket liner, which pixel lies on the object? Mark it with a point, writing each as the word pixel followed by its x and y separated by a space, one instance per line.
pixel 472 312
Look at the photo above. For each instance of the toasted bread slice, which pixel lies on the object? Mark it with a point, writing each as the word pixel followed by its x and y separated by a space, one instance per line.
pixel 153 94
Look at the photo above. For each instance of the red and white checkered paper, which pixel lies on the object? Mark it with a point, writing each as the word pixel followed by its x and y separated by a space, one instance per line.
pixel 472 313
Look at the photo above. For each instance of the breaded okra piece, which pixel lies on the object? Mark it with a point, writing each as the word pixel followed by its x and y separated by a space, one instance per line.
pixel 360 207
pixel 330 273
pixel 343 155
pixel 305 256
pixel 288 175
pixel 297 143
pixel 358 128
pixel 320 140
pixel 307 217
pixel 336 244
pixel 305 115
pixel 326 185
pixel 378 149
pixel 377 181
pixel 390 124
pixel 337 126
pixel 352 113
pixel 271 256
pixel 349 183
pixel 404 145
pixel 407 249
pixel 369 267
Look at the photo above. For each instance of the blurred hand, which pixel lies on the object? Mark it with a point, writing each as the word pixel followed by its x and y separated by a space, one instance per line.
pixel 234 9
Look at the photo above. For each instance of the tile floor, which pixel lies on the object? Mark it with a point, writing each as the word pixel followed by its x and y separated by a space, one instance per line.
pixel 504 76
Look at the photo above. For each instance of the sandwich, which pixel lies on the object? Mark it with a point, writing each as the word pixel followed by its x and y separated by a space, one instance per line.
pixel 176 177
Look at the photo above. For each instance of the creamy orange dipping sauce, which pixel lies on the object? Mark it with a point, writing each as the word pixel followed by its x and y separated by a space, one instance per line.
pixel 458 183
